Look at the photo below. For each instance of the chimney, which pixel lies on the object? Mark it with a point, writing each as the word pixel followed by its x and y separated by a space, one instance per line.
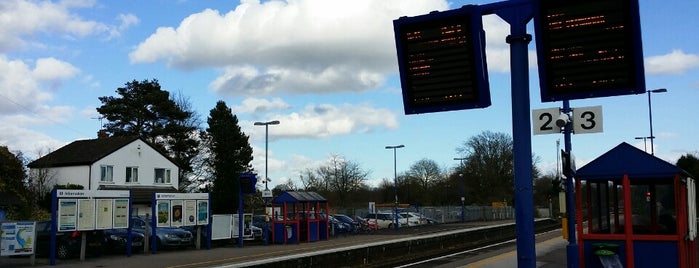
pixel 102 134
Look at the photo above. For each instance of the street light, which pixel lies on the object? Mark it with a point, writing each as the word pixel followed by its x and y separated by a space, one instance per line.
pixel 395 185
pixel 650 117
pixel 645 146
pixel 266 124
pixel 463 188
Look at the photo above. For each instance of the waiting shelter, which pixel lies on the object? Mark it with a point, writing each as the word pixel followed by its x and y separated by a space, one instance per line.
pixel 635 210
pixel 299 217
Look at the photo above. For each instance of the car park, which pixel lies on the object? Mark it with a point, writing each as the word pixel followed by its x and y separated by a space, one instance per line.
pixel 169 237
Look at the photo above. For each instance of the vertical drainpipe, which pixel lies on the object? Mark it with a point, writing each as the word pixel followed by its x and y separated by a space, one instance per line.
pixel 89 177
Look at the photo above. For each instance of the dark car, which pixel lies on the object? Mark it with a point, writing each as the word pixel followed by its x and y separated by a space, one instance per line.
pixel 67 243
pixel 169 237
pixel 115 241
pixel 337 227
pixel 351 223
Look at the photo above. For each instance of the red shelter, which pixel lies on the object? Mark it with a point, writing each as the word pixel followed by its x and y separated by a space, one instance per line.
pixel 635 209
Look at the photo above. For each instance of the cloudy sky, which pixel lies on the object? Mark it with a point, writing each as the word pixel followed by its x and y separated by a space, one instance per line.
pixel 326 69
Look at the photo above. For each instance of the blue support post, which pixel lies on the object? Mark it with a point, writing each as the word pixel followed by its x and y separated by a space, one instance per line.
pixel 54 227
pixel 240 214
pixel 518 14
pixel 129 237
pixel 572 248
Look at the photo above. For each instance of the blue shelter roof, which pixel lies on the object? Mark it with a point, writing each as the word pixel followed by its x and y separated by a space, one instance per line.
pixel 299 197
pixel 625 159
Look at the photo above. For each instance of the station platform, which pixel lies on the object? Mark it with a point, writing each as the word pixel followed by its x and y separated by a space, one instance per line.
pixel 551 253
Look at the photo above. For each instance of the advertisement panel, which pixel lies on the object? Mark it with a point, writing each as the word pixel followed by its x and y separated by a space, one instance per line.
pixel 17 238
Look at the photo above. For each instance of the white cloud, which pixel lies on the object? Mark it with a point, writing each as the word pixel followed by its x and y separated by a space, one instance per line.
pixel 29 142
pixel 53 69
pixel 23 19
pixel 292 46
pixel 325 120
pixel 19 89
pixel 257 105
pixel 675 62
pixel 125 22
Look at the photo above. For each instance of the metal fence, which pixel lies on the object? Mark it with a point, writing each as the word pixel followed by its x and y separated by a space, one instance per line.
pixel 446 214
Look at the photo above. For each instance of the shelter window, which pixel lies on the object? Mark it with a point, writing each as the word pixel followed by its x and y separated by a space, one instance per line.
pixel 653 210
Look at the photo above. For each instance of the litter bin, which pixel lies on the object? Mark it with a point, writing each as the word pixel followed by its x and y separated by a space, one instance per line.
pixel 608 254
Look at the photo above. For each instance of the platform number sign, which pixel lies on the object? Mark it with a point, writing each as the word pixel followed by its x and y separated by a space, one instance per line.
pixel 583 119
pixel 587 120
pixel 544 121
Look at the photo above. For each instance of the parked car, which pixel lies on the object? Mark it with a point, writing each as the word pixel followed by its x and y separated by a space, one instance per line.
pixel 114 241
pixel 170 237
pixel 384 219
pixel 259 221
pixel 366 225
pixel 353 224
pixel 337 227
pixel 67 243
pixel 412 218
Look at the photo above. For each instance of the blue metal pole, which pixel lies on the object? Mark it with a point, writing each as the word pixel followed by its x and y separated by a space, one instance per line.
pixel 240 214
pixel 572 248
pixel 395 191
pixel 54 227
pixel 518 16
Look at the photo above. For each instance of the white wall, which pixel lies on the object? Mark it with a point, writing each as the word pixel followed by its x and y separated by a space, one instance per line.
pixel 136 154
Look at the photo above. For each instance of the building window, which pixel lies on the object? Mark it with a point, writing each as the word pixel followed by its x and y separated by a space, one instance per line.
pixel 162 175
pixel 106 173
pixel 131 174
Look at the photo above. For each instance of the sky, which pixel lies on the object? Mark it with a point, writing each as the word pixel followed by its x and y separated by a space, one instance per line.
pixel 326 69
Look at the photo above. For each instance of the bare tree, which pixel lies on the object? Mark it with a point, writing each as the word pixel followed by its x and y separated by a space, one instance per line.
pixel 425 172
pixel 342 177
pixel 310 181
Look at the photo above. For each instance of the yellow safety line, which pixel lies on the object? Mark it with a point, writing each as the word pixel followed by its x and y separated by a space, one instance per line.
pixel 491 260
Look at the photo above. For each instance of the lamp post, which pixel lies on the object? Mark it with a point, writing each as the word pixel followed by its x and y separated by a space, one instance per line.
pixel 395 185
pixel 463 188
pixel 645 145
pixel 266 124
pixel 650 117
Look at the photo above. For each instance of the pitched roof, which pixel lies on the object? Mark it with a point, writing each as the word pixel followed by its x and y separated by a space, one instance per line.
pixel 297 196
pixel 82 152
pixel 625 159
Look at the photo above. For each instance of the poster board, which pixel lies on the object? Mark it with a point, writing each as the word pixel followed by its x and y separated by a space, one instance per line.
pixel 221 226
pixel 86 214
pixel 104 214
pixel 190 212
pixel 176 213
pixel 163 213
pixel 202 212
pixel 17 238
pixel 67 215
pixel 121 213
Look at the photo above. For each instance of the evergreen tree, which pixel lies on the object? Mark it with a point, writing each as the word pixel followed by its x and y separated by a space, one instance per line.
pixel 230 155
pixel 143 109
pixel 12 184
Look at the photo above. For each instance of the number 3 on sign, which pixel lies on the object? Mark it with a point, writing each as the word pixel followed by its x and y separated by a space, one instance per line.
pixel 587 119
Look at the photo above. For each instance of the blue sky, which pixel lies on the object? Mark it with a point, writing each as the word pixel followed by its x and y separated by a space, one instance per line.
pixel 326 69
